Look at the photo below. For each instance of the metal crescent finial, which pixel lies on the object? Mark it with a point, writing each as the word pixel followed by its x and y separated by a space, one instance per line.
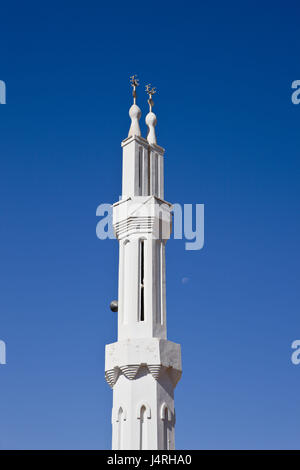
pixel 134 81
pixel 150 91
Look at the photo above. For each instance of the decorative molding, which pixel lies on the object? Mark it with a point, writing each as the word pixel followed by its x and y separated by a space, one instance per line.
pixel 112 376
pixel 138 138
pixel 132 225
pixel 154 370
pixel 115 413
pixel 130 371
pixel 163 408
pixel 140 406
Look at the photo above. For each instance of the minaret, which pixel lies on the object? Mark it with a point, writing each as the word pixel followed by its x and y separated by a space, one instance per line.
pixel 142 367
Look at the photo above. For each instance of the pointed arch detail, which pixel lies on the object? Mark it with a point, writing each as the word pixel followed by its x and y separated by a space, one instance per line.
pixel 116 411
pixel 139 408
pixel 163 409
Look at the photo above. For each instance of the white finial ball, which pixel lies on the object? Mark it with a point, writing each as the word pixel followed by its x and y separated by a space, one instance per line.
pixel 151 122
pixel 135 112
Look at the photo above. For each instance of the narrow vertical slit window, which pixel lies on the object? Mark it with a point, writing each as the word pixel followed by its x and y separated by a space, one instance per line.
pixel 158 270
pixel 162 282
pixel 124 300
pixel 142 273
pixel 140 171
pixel 149 172
pixel 156 174
pixel 160 227
pixel 165 423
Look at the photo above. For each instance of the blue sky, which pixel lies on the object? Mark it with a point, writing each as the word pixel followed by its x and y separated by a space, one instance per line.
pixel 224 72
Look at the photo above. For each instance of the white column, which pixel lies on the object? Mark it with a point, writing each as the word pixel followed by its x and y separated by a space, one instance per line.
pixel 142 367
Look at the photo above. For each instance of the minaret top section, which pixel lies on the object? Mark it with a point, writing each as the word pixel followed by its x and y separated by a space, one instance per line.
pixel 134 112
pixel 151 120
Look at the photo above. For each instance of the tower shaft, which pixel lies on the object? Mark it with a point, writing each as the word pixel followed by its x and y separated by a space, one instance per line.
pixel 142 367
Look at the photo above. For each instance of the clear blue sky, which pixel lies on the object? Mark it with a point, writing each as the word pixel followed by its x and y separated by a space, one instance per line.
pixel 224 72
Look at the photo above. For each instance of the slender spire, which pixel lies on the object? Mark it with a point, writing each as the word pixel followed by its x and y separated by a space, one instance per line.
pixel 134 112
pixel 151 120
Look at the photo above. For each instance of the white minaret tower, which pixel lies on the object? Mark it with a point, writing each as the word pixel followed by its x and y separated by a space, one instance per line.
pixel 142 367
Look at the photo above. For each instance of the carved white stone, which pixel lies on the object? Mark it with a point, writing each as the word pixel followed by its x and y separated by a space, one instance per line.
pixel 142 367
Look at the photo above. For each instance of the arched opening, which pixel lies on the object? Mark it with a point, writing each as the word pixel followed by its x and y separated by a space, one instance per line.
pixel 120 428
pixel 143 429
pixel 166 434
pixel 141 280
pixel 166 417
